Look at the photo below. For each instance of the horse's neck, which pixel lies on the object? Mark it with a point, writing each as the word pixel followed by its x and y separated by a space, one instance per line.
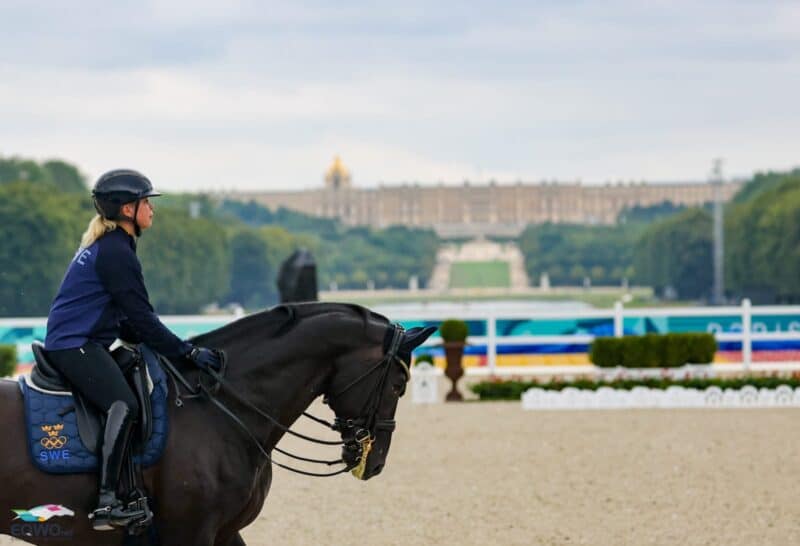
pixel 281 385
pixel 283 389
pixel 283 376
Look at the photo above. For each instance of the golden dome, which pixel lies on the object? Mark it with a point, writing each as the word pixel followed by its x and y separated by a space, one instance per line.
pixel 337 175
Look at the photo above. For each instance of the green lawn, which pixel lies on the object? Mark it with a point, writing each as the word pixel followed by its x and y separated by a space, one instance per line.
pixel 643 297
pixel 480 275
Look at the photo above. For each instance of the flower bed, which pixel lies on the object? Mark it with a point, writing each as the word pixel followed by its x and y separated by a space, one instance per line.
pixel 499 389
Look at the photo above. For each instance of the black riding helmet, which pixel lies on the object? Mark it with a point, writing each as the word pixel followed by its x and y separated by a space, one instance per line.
pixel 118 187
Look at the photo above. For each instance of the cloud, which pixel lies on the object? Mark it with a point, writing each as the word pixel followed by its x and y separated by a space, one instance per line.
pixel 208 94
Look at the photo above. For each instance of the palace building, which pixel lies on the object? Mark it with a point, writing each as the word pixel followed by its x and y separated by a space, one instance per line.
pixel 469 210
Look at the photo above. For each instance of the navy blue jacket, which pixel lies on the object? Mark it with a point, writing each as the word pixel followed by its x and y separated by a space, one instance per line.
pixel 103 297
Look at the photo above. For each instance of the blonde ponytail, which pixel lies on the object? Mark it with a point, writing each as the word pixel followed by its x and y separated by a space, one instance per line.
pixel 98 227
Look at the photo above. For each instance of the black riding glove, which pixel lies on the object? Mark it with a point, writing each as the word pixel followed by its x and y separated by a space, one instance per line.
pixel 205 358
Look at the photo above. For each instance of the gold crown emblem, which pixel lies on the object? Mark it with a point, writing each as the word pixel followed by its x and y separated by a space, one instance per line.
pixel 53 430
pixel 53 440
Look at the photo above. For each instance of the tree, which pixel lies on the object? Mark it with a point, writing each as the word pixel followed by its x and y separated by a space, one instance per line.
pixel 251 213
pixel 61 175
pixel 648 214
pixel 343 254
pixel 185 262
pixel 40 231
pixel 252 275
pixel 567 252
pixel 762 250
pixel 763 183
pixel 66 177
pixel 676 253
pixel 16 169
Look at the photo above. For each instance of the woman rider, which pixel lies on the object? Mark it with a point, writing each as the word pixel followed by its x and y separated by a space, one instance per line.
pixel 102 298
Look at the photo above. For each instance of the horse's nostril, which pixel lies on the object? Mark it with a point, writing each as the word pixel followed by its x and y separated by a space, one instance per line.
pixel 377 470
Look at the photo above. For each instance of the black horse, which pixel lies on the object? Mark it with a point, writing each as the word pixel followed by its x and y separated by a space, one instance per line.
pixel 214 477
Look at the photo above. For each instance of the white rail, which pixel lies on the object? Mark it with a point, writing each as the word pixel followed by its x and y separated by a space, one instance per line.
pixel 618 314
pixel 749 332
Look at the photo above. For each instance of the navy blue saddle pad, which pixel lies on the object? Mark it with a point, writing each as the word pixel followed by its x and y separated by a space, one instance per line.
pixel 54 443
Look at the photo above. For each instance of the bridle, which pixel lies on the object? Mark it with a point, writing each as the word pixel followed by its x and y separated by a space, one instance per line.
pixel 357 433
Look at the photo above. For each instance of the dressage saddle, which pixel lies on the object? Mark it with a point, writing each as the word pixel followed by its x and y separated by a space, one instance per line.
pixel 91 420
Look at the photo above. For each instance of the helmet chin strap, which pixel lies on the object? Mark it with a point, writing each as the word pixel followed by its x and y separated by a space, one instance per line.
pixel 136 229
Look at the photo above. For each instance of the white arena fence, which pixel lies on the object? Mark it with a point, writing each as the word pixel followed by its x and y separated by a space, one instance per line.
pixel 571 398
pixel 743 324
pixel 743 330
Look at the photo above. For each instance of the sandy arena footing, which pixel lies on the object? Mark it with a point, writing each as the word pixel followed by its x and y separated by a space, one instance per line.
pixel 491 473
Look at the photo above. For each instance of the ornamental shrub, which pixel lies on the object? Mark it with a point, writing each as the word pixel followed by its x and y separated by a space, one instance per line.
pixel 702 348
pixel 454 330
pixel 642 351
pixel 653 350
pixel 676 350
pixel 424 357
pixel 8 360
pixel 606 352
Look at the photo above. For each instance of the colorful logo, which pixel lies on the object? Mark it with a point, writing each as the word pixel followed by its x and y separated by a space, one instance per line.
pixel 43 513
pixel 53 444
pixel 53 440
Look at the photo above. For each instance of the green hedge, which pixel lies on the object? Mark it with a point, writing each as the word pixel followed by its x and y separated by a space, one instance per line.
pixel 513 389
pixel 653 350
pixel 8 360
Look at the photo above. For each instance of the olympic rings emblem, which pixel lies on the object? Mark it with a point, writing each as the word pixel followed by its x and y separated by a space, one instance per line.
pixel 53 440
pixel 56 442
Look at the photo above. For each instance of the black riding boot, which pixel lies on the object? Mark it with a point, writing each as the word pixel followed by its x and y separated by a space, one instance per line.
pixel 111 512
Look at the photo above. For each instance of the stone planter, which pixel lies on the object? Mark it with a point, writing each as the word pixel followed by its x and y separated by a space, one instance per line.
pixel 424 384
pixel 454 351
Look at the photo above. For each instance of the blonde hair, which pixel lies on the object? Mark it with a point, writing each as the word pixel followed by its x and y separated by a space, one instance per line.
pixel 98 227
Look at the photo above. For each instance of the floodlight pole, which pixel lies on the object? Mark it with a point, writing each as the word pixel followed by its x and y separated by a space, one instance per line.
pixel 718 291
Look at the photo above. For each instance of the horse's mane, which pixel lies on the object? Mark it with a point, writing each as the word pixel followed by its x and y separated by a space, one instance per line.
pixel 276 321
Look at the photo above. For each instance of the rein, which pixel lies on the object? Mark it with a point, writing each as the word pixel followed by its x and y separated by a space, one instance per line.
pixel 358 433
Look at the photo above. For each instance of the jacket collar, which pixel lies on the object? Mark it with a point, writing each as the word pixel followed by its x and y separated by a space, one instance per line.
pixel 131 239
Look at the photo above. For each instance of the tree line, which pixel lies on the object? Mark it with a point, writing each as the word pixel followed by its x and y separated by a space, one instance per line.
pixel 203 250
pixel 761 245
pixel 199 250
pixel 568 254
pixel 670 248
pixel 605 255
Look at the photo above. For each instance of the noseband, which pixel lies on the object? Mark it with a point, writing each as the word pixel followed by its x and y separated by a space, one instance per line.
pixel 358 433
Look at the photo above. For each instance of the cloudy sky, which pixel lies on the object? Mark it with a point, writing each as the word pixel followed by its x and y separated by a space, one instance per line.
pixel 209 94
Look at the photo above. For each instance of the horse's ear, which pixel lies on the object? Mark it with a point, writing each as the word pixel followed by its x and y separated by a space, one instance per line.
pixel 413 338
